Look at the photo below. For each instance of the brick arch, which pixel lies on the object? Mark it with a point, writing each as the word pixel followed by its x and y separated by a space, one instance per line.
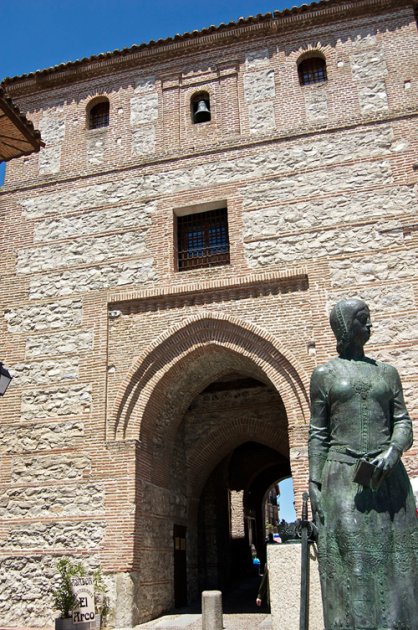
pixel 310 50
pixel 206 456
pixel 139 399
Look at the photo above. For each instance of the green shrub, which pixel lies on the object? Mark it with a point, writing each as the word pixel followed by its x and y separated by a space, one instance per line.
pixel 64 600
pixel 101 599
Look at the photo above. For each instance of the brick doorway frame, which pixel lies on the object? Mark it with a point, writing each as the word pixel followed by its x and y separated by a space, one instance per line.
pixel 149 409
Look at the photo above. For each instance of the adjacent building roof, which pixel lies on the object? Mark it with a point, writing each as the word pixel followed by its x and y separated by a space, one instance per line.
pixel 17 134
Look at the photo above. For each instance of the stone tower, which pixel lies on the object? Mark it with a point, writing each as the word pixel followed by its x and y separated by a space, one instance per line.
pixel 169 261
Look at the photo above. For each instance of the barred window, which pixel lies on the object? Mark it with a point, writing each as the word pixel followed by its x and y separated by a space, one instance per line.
pixel 312 70
pixel 99 115
pixel 202 240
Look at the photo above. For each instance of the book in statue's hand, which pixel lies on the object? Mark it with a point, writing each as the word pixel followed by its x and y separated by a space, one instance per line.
pixel 368 474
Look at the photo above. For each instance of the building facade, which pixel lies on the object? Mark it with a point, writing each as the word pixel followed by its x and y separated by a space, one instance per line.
pixel 169 262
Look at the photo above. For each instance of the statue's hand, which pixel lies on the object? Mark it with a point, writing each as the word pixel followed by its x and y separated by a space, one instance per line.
pixel 315 496
pixel 387 460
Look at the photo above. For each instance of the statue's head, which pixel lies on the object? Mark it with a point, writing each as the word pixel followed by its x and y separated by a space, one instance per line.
pixel 350 318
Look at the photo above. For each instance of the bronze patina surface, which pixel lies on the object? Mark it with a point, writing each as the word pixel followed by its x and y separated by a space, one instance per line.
pixel 368 536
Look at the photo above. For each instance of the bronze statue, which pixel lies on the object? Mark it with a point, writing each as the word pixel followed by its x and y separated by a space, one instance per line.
pixel 361 497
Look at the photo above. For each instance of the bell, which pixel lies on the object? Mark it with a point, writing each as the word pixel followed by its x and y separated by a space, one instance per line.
pixel 202 112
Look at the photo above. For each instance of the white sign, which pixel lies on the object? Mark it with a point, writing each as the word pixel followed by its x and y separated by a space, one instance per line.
pixel 84 591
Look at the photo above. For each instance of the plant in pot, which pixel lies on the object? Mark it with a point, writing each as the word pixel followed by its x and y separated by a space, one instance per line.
pixel 64 599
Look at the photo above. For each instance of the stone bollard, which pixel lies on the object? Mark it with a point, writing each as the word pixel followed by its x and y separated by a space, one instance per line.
pixel 212 610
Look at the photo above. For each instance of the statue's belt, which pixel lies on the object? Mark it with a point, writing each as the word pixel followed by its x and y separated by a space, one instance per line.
pixel 350 457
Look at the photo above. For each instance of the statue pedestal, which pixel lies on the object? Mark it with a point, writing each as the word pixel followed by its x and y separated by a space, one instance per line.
pixel 284 563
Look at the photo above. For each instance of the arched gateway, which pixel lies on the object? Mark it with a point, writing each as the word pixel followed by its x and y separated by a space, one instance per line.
pixel 218 409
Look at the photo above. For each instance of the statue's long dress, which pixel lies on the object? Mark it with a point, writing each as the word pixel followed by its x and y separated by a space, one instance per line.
pixel 368 545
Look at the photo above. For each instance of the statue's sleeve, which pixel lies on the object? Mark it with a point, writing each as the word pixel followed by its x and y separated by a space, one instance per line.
pixel 319 426
pixel 402 436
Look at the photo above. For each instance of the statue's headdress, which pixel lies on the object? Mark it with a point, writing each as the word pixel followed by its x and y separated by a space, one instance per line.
pixel 341 318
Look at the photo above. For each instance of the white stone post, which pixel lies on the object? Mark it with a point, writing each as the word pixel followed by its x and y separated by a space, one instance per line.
pixel 212 610
pixel 284 563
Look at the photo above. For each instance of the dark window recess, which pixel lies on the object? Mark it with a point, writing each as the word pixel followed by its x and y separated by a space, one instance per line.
pixel 312 70
pixel 99 116
pixel 202 240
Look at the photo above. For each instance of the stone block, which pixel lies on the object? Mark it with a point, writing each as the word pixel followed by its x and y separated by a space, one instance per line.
pixel 50 468
pixel 50 160
pixel 136 272
pixel 256 59
pixel 328 149
pixel 261 117
pixel 369 64
pixel 45 371
pixel 80 252
pixel 404 359
pixel 145 84
pixel 316 103
pixel 57 501
pixel 68 342
pixel 33 318
pixel 339 180
pixel 55 403
pixel 259 85
pixel 40 437
pixel 144 108
pixel 121 218
pixel 95 148
pixel 303 215
pixel 212 617
pixel 127 591
pixel 390 266
pixel 54 536
pixel 381 300
pixel 315 244
pixel 395 330
pixel 284 562
pixel 373 98
pixel 143 140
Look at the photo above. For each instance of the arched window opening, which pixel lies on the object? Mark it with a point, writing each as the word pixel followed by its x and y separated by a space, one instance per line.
pixel 200 106
pixel 312 70
pixel 99 115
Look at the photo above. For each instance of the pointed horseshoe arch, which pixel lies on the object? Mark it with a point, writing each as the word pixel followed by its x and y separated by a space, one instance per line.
pixel 141 396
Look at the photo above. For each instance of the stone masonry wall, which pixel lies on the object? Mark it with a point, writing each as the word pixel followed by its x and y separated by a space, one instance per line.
pixel 321 187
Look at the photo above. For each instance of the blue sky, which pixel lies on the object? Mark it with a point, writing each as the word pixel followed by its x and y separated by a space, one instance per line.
pixel 38 34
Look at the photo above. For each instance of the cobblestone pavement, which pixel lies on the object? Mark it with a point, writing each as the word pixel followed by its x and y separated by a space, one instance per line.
pixel 239 621
pixel 240 612
pixel 192 621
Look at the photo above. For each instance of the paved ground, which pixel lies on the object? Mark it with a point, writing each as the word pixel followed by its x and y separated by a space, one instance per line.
pixel 194 622
pixel 240 613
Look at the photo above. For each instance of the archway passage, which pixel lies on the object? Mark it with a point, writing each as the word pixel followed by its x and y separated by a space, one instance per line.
pixel 231 520
pixel 230 444
pixel 214 405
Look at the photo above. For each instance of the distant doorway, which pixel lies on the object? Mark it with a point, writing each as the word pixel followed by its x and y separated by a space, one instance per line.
pixel 180 566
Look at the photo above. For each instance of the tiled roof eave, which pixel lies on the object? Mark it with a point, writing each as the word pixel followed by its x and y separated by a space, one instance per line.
pixel 17 134
pixel 272 22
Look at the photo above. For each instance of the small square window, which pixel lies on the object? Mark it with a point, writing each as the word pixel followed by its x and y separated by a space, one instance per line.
pixel 202 240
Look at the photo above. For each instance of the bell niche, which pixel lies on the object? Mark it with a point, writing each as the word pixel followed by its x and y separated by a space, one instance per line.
pixel 200 108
